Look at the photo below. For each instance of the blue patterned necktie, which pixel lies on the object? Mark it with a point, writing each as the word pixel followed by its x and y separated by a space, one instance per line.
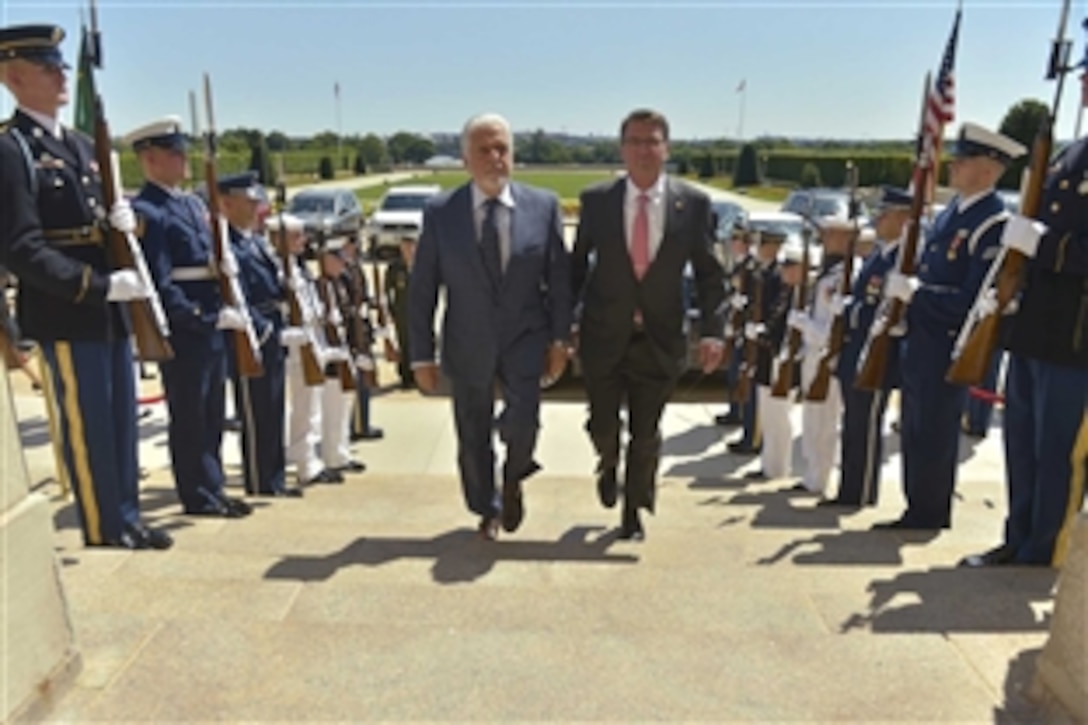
pixel 489 243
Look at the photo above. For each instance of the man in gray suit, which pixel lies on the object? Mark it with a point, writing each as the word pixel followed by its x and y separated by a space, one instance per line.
pixel 497 248
pixel 641 231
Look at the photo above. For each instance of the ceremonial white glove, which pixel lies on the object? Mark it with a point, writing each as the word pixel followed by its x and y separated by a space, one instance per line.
pixel 126 285
pixel 364 362
pixel 336 354
pixel 752 330
pixel 231 318
pixel 798 320
pixel 899 330
pixel 292 337
pixel 122 218
pixel 838 303
pixel 900 287
pixel 335 317
pixel 362 311
pixel 229 265
pixel 294 283
pixel 738 302
pixel 1023 234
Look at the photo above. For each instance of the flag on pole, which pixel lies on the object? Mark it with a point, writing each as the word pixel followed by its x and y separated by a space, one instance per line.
pixel 742 85
pixel 85 92
pixel 941 104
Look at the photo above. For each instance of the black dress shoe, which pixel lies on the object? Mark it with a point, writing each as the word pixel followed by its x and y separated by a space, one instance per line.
pixel 904 525
pixel 372 434
pixel 149 537
pixel 1000 556
pixel 757 476
pixel 802 488
pixel 631 526
pixel 213 508
pixel 837 503
pixel 351 466
pixel 727 419
pixel 607 487
pixel 513 509
pixel 287 492
pixel 741 449
pixel 236 505
pixel 489 528
pixel 327 476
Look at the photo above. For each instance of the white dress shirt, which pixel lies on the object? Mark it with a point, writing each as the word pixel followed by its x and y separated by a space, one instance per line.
pixel 655 212
pixel 502 218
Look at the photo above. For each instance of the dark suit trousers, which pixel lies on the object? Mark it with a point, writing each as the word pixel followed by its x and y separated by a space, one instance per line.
pixel 474 417
pixel 640 380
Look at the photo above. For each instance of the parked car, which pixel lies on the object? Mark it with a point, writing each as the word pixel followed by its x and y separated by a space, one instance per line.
pixel 327 212
pixel 793 225
pixel 399 213
pixel 820 203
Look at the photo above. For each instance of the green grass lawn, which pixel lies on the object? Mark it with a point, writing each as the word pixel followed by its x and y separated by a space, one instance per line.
pixel 566 184
pixel 766 192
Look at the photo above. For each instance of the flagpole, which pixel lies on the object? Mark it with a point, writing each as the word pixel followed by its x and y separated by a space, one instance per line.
pixel 740 118
pixel 339 131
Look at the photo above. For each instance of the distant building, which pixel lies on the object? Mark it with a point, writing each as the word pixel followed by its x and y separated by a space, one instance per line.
pixel 442 162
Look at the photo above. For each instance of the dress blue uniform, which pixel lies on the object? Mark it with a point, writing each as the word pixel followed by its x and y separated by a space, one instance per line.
pixel 177 242
pixel 959 249
pixel 1046 441
pixel 978 411
pixel 260 401
pixel 52 236
pixel 862 441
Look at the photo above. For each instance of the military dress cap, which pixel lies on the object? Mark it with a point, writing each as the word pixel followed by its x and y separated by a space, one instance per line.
pixel 291 222
pixel 892 197
pixel 739 227
pixel 974 141
pixel 165 133
pixel 36 43
pixel 791 254
pixel 834 223
pixel 241 184
pixel 772 235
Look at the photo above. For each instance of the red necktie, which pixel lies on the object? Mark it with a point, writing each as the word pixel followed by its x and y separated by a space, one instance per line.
pixel 640 238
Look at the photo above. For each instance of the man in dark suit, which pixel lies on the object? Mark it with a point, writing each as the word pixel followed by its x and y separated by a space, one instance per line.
pixel 497 248
pixel 641 231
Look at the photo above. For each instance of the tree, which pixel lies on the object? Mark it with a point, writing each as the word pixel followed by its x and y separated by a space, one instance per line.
pixel 1021 122
pixel 371 150
pixel 260 160
pixel 747 170
pixel 360 165
pixel 324 168
pixel 399 144
pixel 706 166
pixel 278 141
pixel 810 176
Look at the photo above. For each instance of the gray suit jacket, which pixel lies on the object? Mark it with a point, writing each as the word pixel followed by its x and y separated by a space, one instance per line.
pixel 485 325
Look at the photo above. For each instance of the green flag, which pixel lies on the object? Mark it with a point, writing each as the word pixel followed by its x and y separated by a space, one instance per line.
pixel 85 95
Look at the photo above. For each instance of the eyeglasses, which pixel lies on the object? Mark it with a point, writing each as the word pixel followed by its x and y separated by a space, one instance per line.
pixel 637 142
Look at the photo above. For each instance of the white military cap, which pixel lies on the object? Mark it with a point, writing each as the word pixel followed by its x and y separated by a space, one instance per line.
pixel 165 133
pixel 291 222
pixel 974 140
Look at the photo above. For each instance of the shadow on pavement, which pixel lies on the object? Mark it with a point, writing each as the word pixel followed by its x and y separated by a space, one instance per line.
pixel 1018 707
pixel 459 555
pixel 777 510
pixel 869 548
pixel 943 601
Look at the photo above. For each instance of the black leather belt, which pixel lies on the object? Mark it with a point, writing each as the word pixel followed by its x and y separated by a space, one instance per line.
pixel 75 237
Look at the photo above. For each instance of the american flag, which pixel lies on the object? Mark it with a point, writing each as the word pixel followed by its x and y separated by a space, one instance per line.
pixel 941 103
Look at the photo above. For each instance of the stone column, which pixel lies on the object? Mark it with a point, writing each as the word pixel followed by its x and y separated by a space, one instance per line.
pixel 38 659
pixel 1061 672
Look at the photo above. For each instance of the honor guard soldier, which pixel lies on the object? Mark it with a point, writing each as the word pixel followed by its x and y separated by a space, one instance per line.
pixel 959 249
pixel 1046 386
pixel 773 415
pixel 398 277
pixel 259 401
pixel 743 266
pixel 52 237
pixel 820 418
pixel 762 271
pixel 861 449
pixel 177 241
pixel 360 335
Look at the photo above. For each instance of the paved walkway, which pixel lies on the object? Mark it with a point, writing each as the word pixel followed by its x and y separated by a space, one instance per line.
pixel 375 599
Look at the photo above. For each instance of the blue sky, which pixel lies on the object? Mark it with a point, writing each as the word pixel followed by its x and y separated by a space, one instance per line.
pixel 814 68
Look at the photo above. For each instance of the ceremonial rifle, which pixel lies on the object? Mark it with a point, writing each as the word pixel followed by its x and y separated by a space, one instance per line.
pixel 783 382
pixel 247 350
pixel 751 347
pixel 298 313
pixel 977 340
pixel 873 361
pixel 821 382
pixel 331 299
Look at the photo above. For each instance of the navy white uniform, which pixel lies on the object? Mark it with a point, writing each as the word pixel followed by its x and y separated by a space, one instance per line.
pixel 260 401
pixel 1046 387
pixel 177 241
pixel 861 443
pixel 776 453
pixel 52 237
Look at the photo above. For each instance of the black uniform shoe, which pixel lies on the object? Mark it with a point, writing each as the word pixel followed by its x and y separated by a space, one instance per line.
pixel 742 449
pixel 607 487
pixel 631 526
pixel 351 466
pixel 727 419
pixel 834 502
pixel 513 508
pixel 757 476
pixel 287 492
pixel 149 538
pixel 327 476
pixel 994 557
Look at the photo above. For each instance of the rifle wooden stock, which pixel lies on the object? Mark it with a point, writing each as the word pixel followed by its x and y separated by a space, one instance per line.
pixel 969 367
pixel 312 374
pixel 344 370
pixel 783 382
pixel 362 339
pixel 247 350
pixel 149 325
